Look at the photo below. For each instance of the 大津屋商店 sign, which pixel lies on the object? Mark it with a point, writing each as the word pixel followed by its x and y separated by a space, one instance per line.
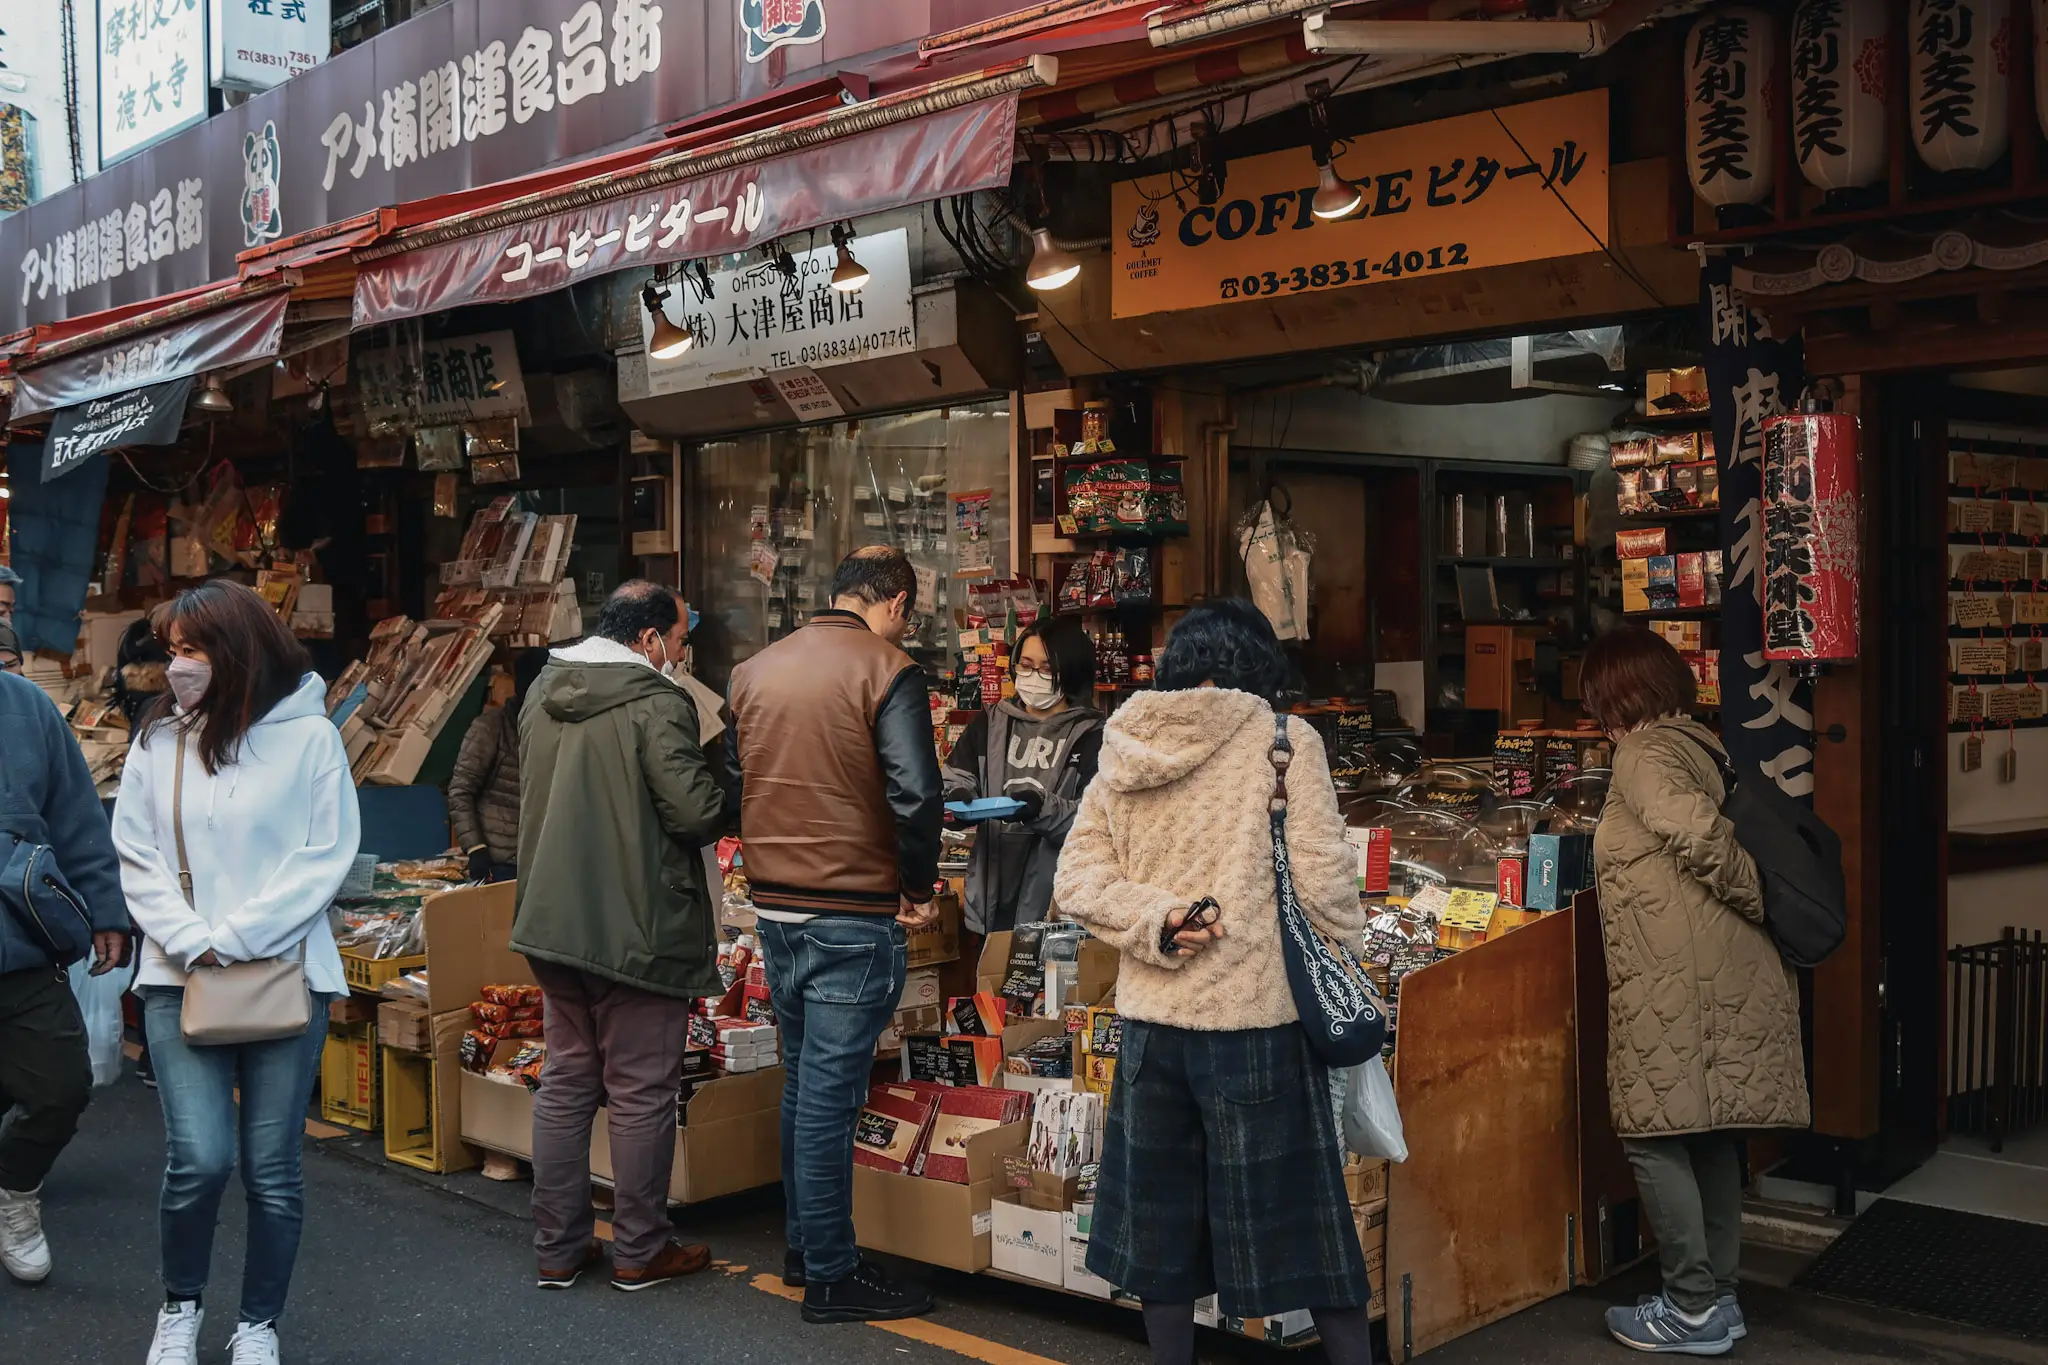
pixel 756 323
pixel 1456 194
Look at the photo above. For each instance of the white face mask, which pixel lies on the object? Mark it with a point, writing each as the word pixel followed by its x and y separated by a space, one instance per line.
pixel 189 679
pixel 669 667
pixel 1036 692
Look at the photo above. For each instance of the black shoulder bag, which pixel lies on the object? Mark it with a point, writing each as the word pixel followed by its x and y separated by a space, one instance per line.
pixel 1345 1025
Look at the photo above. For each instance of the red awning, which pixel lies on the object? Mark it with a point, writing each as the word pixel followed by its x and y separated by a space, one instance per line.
pixel 703 193
pixel 204 330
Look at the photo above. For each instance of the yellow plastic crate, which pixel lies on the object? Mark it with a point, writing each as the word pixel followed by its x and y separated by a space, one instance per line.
pixel 368 974
pixel 350 1078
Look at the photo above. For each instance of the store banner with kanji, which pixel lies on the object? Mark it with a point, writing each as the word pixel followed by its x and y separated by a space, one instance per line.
pixel 1522 183
pixel 956 151
pixel 464 94
pixel 148 416
pixel 1766 712
pixel 225 337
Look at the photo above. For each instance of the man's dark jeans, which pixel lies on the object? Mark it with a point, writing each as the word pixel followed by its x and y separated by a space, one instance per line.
pixel 45 1073
pixel 836 981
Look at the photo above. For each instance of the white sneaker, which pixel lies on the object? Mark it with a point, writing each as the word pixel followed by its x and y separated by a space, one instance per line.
pixel 23 1248
pixel 254 1343
pixel 177 1334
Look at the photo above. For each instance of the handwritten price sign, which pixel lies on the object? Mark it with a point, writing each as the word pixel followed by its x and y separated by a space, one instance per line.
pixel 1456 194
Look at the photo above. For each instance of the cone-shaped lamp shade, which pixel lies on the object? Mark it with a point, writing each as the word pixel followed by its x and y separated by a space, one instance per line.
pixel 1051 268
pixel 212 400
pixel 849 274
pixel 1336 197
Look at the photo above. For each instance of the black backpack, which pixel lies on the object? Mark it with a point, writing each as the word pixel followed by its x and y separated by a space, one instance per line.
pixel 1798 860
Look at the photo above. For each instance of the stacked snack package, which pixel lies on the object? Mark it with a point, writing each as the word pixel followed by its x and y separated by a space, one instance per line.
pixel 504 1012
pixel 1066 1131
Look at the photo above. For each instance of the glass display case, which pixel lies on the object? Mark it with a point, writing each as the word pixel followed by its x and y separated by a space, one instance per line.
pixel 768 516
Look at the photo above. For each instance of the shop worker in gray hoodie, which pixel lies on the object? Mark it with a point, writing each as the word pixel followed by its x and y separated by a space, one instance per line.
pixel 1040 748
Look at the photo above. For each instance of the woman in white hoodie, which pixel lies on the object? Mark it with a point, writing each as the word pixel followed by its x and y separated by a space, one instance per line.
pixel 270 829
pixel 1222 1172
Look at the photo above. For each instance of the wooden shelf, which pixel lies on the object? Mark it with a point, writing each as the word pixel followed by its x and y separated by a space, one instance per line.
pixel 1667 421
pixel 1681 514
pixel 1675 614
pixel 1997 844
pixel 1507 562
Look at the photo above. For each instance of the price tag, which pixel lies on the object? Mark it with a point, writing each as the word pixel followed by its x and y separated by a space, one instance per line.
pixel 1069 527
pixel 1470 910
pixel 1978 613
pixel 1431 902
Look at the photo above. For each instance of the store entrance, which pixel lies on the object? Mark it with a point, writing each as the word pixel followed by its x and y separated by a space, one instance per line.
pixel 1964 514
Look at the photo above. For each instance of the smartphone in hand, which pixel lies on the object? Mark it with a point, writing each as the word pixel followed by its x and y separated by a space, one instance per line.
pixel 1200 915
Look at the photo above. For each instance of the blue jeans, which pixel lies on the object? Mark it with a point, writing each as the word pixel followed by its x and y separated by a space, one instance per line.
pixel 835 982
pixel 203 1127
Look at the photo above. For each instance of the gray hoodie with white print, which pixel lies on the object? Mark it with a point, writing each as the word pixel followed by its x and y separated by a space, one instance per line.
pixel 1009 875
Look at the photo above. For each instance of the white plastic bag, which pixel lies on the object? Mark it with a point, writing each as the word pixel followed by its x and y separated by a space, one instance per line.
pixel 99 1000
pixel 1372 1122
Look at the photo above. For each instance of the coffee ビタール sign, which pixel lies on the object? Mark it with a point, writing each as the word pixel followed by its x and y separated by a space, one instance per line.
pixel 1456 194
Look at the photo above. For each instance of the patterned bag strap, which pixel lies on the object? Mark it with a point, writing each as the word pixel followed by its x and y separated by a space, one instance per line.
pixel 1282 757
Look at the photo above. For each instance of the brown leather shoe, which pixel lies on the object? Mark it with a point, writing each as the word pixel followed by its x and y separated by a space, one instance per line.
pixel 672 1263
pixel 593 1257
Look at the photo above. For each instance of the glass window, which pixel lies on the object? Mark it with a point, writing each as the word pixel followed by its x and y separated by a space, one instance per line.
pixel 770 515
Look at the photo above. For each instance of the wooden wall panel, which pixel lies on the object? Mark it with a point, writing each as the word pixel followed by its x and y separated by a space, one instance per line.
pixel 1487 1078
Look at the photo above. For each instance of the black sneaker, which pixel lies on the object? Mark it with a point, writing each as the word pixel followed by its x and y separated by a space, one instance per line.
pixel 867 1295
pixel 793 1269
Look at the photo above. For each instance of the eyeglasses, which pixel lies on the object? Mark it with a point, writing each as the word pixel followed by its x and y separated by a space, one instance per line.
pixel 1028 671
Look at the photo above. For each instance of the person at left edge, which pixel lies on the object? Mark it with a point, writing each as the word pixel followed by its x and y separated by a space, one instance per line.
pixel 46 797
pixel 613 912
pixel 238 777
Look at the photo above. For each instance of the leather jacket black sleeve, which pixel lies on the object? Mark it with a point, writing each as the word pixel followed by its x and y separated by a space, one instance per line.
pixel 910 775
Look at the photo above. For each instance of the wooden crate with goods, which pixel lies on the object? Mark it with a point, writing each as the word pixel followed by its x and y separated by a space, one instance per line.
pixel 392 704
pixel 382 938
pixel 515 560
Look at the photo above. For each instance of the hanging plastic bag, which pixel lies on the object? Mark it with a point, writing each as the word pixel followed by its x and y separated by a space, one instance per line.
pixel 99 1000
pixel 1372 1121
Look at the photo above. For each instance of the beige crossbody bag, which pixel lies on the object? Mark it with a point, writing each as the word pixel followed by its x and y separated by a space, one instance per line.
pixel 248 1002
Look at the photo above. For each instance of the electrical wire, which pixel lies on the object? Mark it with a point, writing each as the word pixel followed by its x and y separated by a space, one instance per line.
pixel 1605 250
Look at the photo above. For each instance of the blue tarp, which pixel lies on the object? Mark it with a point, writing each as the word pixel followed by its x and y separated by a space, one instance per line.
pixel 55 529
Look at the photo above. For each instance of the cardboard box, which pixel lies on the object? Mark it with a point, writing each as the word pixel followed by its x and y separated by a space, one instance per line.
pixel 1635 585
pixel 1208 1312
pixel 423 1101
pixel 469 945
pixel 920 989
pixel 1027 1242
pixel 1094 978
pixel 1076 1224
pixel 940 943
pixel 404 1025
pixel 935 1221
pixel 1365 1180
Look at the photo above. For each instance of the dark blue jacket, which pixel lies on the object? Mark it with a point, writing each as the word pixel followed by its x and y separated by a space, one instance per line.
pixel 47 795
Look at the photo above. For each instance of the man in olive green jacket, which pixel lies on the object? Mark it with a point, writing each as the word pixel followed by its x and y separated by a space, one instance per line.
pixel 614 914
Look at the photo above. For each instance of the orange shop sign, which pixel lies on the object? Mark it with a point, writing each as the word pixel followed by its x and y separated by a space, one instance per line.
pixel 1456 194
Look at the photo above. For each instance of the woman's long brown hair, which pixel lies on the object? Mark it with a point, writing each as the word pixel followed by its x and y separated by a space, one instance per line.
pixel 256 664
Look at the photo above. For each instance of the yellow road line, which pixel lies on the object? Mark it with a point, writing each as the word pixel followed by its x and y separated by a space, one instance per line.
pixel 930 1333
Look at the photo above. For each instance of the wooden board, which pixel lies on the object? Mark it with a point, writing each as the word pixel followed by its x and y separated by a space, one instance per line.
pixel 1612 1233
pixel 1487 1079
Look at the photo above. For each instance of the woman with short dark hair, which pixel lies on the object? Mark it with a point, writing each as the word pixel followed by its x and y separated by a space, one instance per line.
pixel 1040 748
pixel 1703 1015
pixel 236 825
pixel 1223 1170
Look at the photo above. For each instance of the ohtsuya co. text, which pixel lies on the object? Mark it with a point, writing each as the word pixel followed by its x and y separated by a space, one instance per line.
pixel 1456 194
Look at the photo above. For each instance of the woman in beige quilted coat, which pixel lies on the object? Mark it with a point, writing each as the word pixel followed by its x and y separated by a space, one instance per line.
pixel 1703 1014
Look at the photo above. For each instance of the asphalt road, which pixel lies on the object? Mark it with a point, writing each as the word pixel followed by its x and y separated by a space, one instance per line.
pixel 400 1267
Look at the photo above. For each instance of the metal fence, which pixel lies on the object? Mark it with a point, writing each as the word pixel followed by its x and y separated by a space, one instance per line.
pixel 1998 1036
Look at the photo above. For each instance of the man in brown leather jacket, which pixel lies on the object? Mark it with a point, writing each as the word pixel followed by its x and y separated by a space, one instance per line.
pixel 840 809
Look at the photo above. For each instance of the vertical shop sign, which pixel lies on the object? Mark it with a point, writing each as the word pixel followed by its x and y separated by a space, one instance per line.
pixel 152 72
pixel 17 157
pixel 1766 712
pixel 261 43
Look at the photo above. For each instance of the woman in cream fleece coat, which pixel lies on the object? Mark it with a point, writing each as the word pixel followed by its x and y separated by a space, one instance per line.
pixel 1223 1169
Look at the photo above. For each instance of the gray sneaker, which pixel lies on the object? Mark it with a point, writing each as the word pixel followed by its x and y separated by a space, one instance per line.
pixel 1729 1309
pixel 1656 1327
